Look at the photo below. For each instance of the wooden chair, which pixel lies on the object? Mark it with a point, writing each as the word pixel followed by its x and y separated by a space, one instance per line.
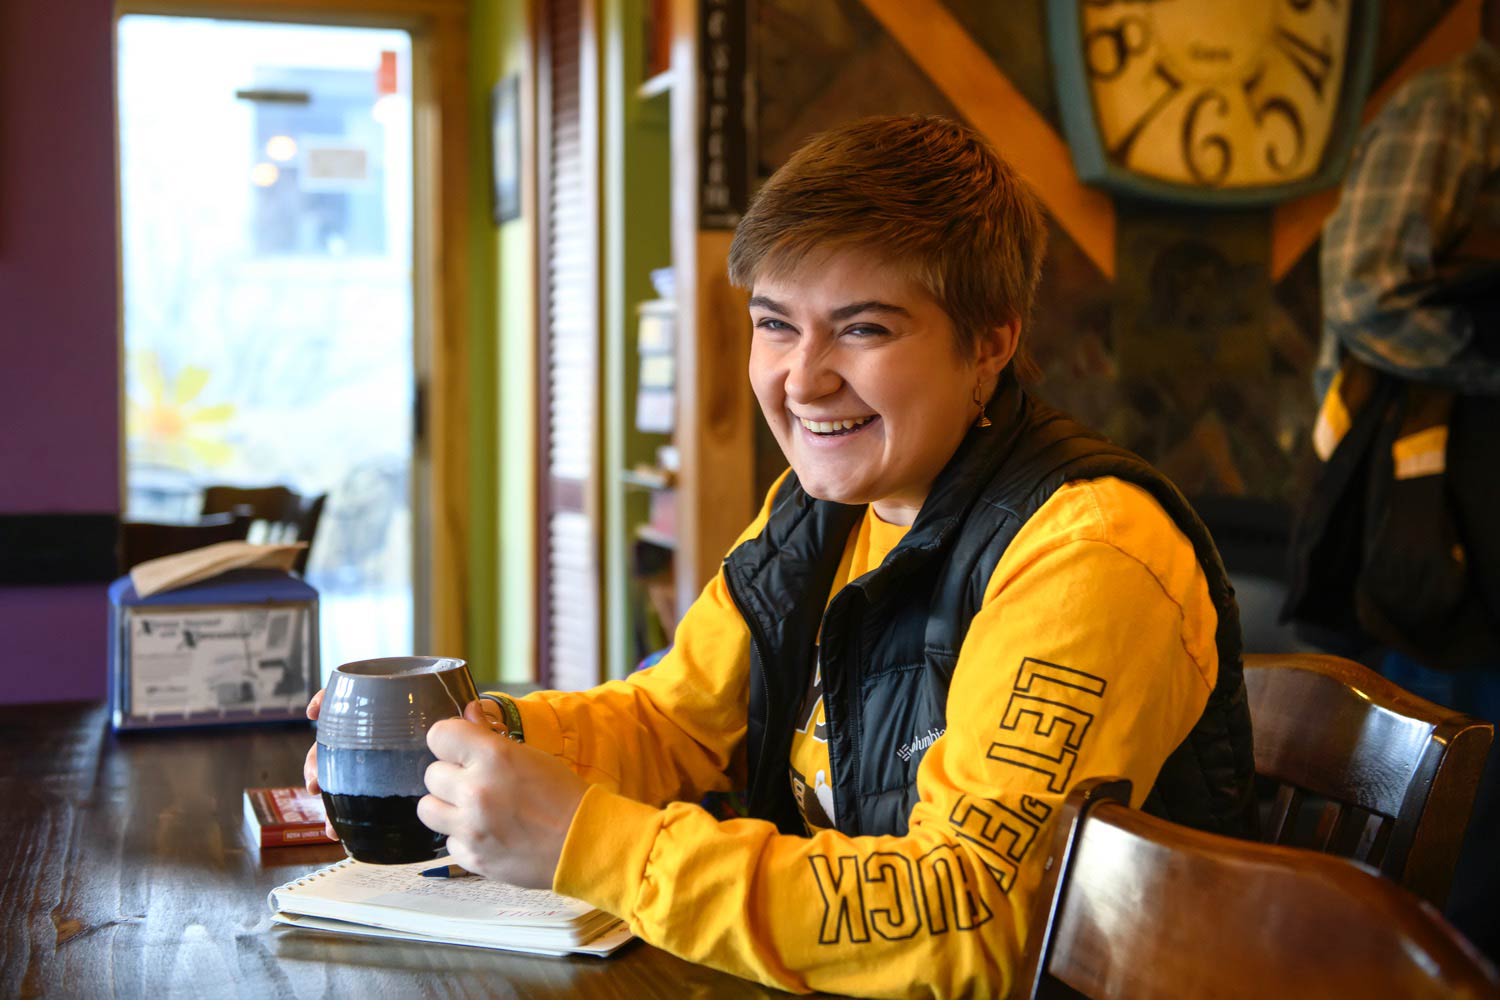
pixel 1132 906
pixel 1362 768
pixel 141 541
pixel 278 514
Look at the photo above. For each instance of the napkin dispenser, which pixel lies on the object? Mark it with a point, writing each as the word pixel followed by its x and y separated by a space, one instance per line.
pixel 240 646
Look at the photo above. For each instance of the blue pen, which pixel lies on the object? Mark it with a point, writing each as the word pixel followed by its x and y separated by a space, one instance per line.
pixel 444 871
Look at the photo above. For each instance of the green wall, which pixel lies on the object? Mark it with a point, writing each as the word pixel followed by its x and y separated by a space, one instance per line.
pixel 501 610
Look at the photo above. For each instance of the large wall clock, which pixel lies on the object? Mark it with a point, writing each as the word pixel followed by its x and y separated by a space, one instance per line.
pixel 1218 102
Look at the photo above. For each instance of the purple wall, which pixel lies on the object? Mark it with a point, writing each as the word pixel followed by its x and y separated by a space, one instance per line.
pixel 59 385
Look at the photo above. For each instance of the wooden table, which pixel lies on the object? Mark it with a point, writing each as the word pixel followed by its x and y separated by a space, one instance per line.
pixel 126 875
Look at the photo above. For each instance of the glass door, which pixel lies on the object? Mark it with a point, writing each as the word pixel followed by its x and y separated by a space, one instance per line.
pixel 266 205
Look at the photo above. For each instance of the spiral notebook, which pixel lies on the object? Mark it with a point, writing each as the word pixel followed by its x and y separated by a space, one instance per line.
pixel 396 901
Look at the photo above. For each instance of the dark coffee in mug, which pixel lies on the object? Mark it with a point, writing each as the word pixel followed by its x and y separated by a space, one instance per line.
pixel 382 830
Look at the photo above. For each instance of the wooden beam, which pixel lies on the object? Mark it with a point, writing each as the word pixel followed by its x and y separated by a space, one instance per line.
pixel 447 165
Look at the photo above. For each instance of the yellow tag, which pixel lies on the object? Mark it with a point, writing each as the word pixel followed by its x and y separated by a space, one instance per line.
pixel 1333 420
pixel 1424 453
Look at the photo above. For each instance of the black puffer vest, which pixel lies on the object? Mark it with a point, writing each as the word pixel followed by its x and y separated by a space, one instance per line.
pixel 890 639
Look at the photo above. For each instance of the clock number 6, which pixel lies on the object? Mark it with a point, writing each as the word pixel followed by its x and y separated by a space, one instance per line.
pixel 1195 147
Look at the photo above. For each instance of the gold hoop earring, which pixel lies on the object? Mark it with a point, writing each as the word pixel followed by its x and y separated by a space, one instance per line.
pixel 982 421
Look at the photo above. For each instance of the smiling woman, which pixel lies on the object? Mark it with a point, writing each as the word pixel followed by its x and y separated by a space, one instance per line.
pixel 954 605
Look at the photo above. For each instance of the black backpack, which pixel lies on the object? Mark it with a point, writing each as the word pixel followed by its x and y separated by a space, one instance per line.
pixel 1399 545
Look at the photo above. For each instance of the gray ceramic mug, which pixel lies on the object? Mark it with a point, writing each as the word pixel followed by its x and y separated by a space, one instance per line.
pixel 372 751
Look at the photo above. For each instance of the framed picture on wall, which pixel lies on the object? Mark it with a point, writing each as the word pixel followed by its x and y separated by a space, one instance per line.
pixel 505 148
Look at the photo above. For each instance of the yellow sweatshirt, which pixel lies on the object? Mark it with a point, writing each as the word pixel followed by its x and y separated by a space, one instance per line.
pixel 1099 605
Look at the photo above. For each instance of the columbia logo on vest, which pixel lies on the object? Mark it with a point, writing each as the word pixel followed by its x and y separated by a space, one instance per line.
pixel 920 743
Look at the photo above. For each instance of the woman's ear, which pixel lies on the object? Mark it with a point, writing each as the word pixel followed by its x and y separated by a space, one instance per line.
pixel 995 348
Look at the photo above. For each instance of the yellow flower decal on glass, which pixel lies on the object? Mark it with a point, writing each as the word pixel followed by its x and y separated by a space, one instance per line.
pixel 167 427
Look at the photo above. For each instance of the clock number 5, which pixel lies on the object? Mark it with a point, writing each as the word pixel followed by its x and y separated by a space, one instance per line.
pixel 1276 106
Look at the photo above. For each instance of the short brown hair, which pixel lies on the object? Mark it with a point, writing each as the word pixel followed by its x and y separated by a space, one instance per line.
pixel 925 193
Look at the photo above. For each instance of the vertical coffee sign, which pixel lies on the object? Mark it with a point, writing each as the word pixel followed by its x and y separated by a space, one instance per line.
pixel 723 128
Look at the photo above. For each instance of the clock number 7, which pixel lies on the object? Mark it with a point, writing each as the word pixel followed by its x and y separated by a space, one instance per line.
pixel 1121 150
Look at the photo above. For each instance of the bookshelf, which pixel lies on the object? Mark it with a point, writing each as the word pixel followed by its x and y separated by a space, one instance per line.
pixel 678 458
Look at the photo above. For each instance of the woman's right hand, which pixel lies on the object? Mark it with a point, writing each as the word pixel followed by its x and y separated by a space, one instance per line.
pixel 310 764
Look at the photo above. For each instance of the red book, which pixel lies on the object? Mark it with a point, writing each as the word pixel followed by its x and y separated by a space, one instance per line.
pixel 284 817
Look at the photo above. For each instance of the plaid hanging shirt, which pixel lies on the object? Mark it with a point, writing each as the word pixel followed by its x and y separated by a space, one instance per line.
pixel 1411 257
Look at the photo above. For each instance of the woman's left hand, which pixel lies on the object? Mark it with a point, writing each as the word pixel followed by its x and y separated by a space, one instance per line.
pixel 505 806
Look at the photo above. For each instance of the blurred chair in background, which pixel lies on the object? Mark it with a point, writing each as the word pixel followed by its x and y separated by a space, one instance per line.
pixel 278 514
pixel 1364 769
pixel 1131 906
pixel 142 541
pixel 360 553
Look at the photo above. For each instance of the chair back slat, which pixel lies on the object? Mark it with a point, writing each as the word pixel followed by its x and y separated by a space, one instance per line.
pixel 1349 833
pixel 1336 731
pixel 1284 810
pixel 142 541
pixel 1370 846
pixel 1331 818
pixel 278 514
pixel 1299 819
pixel 1132 906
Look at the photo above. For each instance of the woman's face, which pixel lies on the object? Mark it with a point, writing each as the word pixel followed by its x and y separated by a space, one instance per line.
pixel 859 376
